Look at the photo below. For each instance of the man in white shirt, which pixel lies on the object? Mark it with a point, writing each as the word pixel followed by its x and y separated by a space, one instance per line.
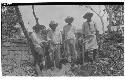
pixel 69 33
pixel 55 39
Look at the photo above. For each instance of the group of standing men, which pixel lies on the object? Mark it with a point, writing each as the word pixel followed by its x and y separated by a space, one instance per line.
pixel 68 38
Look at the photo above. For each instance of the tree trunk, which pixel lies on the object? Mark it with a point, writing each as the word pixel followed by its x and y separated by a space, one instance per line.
pixel 29 41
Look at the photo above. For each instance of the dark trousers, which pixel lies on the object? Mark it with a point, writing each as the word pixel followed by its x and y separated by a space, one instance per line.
pixel 94 54
pixel 88 59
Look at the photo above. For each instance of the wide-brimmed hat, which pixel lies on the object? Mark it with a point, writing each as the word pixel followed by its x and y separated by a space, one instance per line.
pixel 37 27
pixel 69 19
pixel 53 24
pixel 88 15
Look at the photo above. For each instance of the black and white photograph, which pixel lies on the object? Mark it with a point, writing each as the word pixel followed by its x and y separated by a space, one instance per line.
pixel 62 39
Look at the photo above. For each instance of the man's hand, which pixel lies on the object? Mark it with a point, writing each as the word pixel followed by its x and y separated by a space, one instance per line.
pixel 80 38
pixel 43 43
pixel 83 35
pixel 51 42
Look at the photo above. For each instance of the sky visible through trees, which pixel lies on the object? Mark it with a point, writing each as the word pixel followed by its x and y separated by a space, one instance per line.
pixel 58 13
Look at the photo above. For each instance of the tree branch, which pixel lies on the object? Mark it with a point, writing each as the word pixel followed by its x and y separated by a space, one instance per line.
pixel 92 10
pixel 36 18
pixel 98 16
pixel 30 43
pixel 103 14
pixel 99 10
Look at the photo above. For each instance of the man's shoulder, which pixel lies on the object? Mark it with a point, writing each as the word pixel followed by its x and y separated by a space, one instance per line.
pixel 50 31
pixel 85 22
pixel 92 22
pixel 73 27
pixel 32 33
pixel 65 26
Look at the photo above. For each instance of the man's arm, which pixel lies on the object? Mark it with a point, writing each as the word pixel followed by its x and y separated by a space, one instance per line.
pixel 35 39
pixel 95 27
pixel 83 30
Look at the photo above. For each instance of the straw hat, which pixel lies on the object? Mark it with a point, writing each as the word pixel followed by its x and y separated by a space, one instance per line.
pixel 88 15
pixel 37 27
pixel 53 25
pixel 69 19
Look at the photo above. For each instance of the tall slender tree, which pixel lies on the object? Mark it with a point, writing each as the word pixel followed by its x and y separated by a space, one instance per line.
pixel 29 41
pixel 36 18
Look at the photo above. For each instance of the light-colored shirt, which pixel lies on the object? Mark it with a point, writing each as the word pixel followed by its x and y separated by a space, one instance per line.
pixel 90 29
pixel 69 31
pixel 36 39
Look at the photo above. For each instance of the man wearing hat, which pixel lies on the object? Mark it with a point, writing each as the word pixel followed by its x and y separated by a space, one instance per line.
pixel 89 30
pixel 38 40
pixel 69 33
pixel 51 33
pixel 55 39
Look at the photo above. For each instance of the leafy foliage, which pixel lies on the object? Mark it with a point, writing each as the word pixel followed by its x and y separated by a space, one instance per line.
pixel 9 20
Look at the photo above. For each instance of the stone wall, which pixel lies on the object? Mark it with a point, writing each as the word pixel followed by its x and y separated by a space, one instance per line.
pixel 13 50
pixel 15 59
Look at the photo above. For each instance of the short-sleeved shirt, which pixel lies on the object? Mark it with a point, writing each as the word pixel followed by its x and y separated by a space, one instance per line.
pixel 69 31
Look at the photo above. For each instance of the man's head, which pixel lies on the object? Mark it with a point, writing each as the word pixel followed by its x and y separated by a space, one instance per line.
pixel 38 28
pixel 53 25
pixel 88 16
pixel 69 20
